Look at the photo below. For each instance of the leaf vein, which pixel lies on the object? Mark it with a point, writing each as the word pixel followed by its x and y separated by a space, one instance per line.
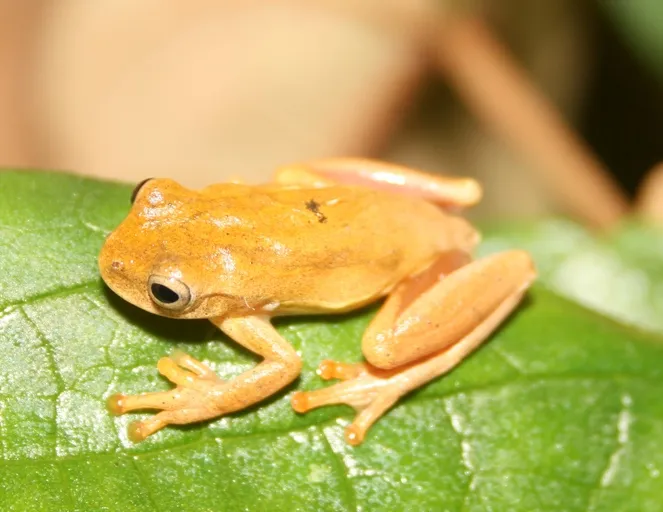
pixel 624 420
pixel 144 483
pixel 66 486
pixel 58 292
pixel 465 451
pixel 48 348
pixel 343 470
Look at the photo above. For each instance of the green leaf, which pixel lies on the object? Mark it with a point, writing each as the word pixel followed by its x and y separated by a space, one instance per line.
pixel 640 22
pixel 561 410
pixel 619 274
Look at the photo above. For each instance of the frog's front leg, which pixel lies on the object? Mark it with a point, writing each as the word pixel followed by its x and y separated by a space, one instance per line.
pixel 412 339
pixel 200 395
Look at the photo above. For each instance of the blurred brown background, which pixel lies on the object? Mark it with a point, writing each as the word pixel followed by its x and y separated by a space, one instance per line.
pixel 209 90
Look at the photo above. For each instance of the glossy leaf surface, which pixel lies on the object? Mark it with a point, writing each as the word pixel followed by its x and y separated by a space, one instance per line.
pixel 561 410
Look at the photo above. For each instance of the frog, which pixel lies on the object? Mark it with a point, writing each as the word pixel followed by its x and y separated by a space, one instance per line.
pixel 323 237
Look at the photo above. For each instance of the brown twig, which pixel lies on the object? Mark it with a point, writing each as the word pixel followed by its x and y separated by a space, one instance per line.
pixel 649 202
pixel 497 90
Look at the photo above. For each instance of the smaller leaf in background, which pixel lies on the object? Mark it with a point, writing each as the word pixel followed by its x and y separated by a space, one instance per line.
pixel 620 274
pixel 640 21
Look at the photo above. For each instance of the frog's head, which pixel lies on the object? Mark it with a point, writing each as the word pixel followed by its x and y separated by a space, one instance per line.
pixel 158 257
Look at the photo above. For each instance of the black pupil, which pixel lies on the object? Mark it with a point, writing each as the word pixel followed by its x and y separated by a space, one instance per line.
pixel 164 294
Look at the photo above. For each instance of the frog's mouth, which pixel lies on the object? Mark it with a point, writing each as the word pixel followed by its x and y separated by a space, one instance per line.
pixel 121 284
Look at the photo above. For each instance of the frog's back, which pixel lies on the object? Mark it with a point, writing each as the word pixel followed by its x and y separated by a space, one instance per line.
pixel 333 247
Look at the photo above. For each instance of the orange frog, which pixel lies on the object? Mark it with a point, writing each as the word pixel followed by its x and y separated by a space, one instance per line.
pixel 326 237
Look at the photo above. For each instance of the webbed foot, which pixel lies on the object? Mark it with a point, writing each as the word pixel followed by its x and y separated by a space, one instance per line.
pixel 369 390
pixel 195 397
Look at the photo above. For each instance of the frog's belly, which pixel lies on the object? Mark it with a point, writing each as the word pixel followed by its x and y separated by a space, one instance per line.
pixel 343 288
pixel 333 283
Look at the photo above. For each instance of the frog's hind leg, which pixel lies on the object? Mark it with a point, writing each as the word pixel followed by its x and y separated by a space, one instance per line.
pixel 446 191
pixel 412 340
pixel 398 301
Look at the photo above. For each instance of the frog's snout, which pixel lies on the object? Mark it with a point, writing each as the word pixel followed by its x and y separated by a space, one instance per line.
pixel 110 265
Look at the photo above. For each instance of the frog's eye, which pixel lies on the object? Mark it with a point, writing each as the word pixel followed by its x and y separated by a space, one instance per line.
pixel 169 293
pixel 137 189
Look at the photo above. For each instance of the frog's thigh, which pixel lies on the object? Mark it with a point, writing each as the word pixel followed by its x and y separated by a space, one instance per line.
pixel 472 298
pixel 416 339
pixel 444 190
